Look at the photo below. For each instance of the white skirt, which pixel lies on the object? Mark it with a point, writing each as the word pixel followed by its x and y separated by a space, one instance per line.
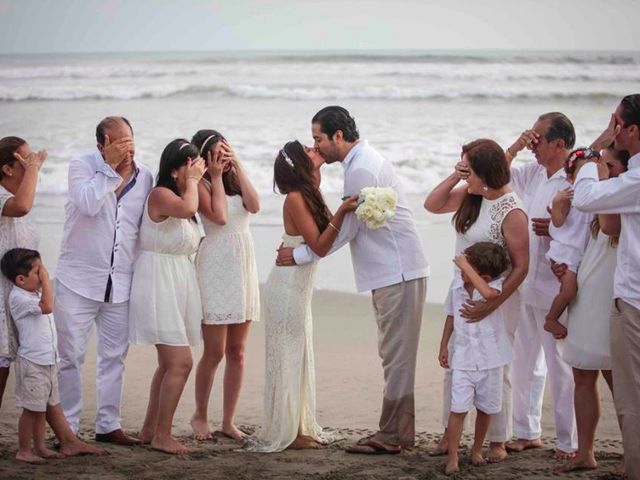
pixel 164 307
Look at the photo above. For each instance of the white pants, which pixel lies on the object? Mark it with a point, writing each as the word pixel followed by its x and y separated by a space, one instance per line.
pixel 535 350
pixel 75 316
pixel 501 427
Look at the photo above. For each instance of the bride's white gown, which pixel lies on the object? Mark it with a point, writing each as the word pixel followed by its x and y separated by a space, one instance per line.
pixel 290 382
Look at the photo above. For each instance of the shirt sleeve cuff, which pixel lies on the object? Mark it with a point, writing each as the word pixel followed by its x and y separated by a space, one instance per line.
pixel 109 172
pixel 301 255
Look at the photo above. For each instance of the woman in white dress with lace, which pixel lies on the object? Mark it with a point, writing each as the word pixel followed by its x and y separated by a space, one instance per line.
pixel 227 276
pixel 486 210
pixel 165 308
pixel 19 168
pixel 289 394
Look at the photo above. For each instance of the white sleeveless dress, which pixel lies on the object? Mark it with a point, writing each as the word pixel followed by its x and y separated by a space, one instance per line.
pixel 488 228
pixel 586 345
pixel 290 382
pixel 164 306
pixel 14 232
pixel 226 266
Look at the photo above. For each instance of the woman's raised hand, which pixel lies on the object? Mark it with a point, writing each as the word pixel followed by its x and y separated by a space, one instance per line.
pixel 195 169
pixel 215 163
pixel 34 159
pixel 462 170
pixel 349 204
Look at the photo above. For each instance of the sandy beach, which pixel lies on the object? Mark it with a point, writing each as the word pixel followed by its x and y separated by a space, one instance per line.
pixel 349 386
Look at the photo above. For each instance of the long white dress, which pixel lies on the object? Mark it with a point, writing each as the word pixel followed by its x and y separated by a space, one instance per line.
pixel 164 306
pixel 14 232
pixel 586 345
pixel 290 382
pixel 226 266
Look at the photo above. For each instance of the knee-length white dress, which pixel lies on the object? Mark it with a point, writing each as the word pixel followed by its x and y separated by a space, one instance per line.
pixel 226 267
pixel 165 305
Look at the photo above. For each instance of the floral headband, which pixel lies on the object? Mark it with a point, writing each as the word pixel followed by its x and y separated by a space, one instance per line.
pixel 586 153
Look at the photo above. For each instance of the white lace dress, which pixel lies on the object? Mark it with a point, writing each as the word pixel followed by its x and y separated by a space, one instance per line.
pixel 290 382
pixel 164 306
pixel 14 232
pixel 226 266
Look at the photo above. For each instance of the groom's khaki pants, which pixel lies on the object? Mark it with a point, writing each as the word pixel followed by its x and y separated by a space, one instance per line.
pixel 625 366
pixel 398 310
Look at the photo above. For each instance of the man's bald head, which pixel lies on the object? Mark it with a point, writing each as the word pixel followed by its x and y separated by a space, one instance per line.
pixel 115 127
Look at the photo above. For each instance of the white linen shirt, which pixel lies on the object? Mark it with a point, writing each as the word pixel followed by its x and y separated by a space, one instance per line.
pixel 385 256
pixel 36 331
pixel 531 184
pixel 100 240
pixel 617 195
pixel 476 345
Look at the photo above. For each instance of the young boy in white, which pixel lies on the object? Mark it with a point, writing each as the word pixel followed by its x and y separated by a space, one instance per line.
pixel 569 230
pixel 476 352
pixel 31 307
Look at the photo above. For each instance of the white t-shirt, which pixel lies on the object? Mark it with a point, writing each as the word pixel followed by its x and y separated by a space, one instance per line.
pixel 36 331
pixel 479 345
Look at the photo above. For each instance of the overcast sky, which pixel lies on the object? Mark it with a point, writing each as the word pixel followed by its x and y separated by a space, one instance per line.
pixel 43 26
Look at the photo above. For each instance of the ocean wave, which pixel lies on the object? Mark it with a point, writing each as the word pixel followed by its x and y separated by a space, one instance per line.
pixel 373 92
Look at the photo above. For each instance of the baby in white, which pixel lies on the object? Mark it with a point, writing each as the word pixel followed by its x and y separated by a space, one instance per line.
pixel 476 352
pixel 569 230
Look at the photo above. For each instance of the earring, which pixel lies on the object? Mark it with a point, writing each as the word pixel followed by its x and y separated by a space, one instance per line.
pixel 485 188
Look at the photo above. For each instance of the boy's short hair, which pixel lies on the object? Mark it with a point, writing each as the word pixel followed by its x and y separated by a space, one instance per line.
pixel 18 261
pixel 488 258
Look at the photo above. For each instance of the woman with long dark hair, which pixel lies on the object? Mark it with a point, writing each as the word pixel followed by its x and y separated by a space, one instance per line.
pixel 227 275
pixel 165 308
pixel 289 395
pixel 486 210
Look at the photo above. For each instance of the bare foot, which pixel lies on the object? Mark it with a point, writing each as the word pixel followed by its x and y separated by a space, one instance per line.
pixel 441 449
pixel 554 327
pixel 451 466
pixel 29 457
pixel 562 455
pixel 477 459
pixel 76 446
pixel 521 444
pixel 168 445
pixel 44 452
pixel 304 443
pixel 234 433
pixel 200 429
pixel 577 463
pixel 497 452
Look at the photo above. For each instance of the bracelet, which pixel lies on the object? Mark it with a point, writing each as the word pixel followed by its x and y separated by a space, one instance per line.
pixel 508 152
pixel 334 227
pixel 194 177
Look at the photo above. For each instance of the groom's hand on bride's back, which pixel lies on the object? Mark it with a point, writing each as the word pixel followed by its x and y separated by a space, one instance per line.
pixel 285 256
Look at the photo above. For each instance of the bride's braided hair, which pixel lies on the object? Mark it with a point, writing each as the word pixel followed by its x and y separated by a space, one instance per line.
pixel 292 171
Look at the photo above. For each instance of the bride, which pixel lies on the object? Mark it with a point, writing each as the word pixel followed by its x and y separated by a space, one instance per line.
pixel 289 393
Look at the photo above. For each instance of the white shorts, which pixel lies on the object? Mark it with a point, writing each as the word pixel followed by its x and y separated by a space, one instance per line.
pixel 5 362
pixel 479 388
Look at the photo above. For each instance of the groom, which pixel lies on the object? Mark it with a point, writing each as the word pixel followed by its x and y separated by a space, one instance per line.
pixel 389 262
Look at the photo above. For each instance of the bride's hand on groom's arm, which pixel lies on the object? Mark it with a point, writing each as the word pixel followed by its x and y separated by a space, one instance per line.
pixel 474 311
pixel 285 256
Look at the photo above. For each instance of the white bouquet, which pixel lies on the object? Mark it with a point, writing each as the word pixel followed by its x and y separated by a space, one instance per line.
pixel 377 205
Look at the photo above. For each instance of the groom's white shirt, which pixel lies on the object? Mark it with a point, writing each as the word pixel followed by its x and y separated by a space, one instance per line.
pixel 381 257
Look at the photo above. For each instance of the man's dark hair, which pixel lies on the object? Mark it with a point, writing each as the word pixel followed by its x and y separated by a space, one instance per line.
pixel 18 261
pixel 630 110
pixel 488 258
pixel 109 122
pixel 560 127
pixel 334 118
